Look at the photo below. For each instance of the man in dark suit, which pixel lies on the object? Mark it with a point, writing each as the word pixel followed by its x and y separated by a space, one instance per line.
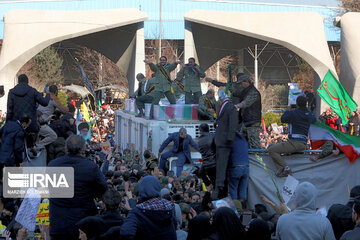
pixel 180 149
pixel 23 99
pixel 226 125
pixel 13 136
pixel 89 183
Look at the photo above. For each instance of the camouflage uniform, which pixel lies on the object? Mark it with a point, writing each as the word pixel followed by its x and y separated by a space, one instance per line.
pixel 128 160
pixel 204 105
pixel 162 86
pixel 327 149
pixel 250 129
pixel 191 82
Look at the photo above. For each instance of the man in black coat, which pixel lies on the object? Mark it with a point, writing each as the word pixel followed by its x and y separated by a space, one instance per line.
pixel 208 150
pixel 340 216
pixel 12 138
pixel 111 216
pixel 226 125
pixel 89 183
pixel 355 233
pixel 23 99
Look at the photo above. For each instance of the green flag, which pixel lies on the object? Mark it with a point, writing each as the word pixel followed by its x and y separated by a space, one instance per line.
pixel 99 105
pixel 335 95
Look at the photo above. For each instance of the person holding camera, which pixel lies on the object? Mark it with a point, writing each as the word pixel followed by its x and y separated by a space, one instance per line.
pixel 299 121
pixel 191 73
pixel 89 183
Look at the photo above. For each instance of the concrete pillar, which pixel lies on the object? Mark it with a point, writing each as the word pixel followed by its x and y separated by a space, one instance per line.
pixel 136 52
pixel 350 54
pixel 189 44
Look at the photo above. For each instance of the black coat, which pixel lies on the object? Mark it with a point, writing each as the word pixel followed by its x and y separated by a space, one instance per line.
pixel 112 218
pixel 89 183
pixel 12 146
pixel 207 149
pixel 226 126
pixel 252 114
pixel 340 217
pixel 23 99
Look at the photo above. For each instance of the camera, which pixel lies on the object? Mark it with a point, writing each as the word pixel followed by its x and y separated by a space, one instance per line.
pixel 90 152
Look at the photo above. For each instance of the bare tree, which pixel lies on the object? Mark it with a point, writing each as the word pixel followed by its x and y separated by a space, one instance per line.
pixel 100 70
pixel 350 5
pixel 304 77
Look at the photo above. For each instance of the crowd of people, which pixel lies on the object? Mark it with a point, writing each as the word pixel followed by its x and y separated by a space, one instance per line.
pixel 129 194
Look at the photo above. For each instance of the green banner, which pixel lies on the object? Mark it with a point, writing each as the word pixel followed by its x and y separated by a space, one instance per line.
pixel 335 95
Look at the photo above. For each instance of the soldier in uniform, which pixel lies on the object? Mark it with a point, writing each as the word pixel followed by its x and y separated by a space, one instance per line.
pixel 144 94
pixel 163 81
pixel 234 88
pixel 326 150
pixel 249 111
pixel 207 106
pixel 191 73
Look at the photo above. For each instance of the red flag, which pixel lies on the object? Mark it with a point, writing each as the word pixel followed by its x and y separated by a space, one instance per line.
pixel 73 103
pixel 264 126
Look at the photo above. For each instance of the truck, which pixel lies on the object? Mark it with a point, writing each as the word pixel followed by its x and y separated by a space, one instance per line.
pixel 131 130
pixel 332 176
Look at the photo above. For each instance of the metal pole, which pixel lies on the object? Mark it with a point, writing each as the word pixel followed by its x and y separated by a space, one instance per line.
pixel 256 66
pixel 160 31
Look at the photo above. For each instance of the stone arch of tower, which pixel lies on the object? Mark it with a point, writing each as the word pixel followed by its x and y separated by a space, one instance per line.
pixel 117 34
pixel 211 35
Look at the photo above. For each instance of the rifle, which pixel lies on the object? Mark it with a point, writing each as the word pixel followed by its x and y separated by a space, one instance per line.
pixel 229 81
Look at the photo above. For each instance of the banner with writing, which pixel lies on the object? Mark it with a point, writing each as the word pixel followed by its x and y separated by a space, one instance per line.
pixel 335 95
pixel 289 188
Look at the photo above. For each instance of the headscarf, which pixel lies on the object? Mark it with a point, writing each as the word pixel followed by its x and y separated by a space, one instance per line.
pixel 259 230
pixel 149 188
pixel 227 224
pixel 199 227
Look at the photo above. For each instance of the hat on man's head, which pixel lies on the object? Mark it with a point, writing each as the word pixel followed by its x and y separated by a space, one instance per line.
pixel 140 76
pixel 242 77
pixel 222 95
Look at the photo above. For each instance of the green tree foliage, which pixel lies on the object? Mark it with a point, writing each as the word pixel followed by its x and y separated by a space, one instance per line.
pixel 47 66
pixel 62 98
pixel 270 118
